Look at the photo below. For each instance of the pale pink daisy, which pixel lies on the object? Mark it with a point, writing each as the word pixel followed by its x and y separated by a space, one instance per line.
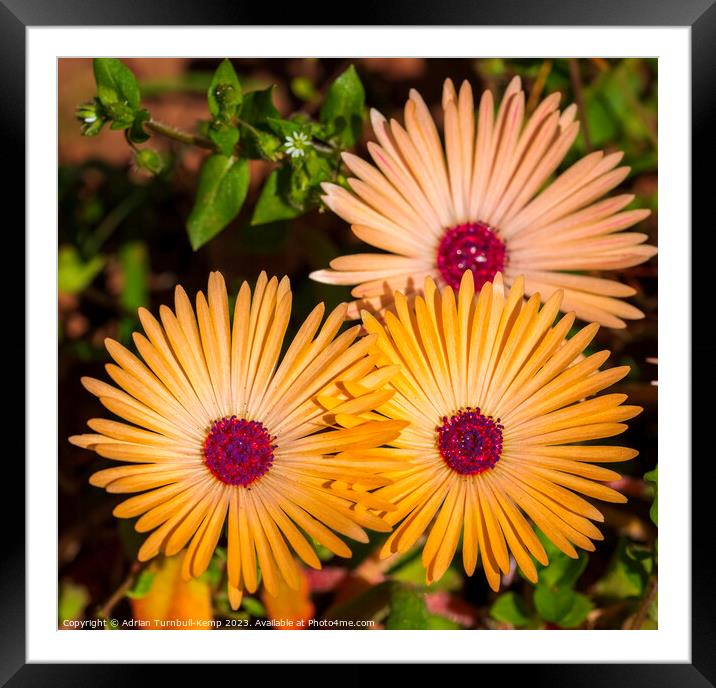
pixel 485 200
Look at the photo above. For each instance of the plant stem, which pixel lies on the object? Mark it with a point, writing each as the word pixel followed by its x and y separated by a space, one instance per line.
pixel 178 135
pixel 642 112
pixel 576 79
pixel 644 605
pixel 116 597
pixel 113 219
pixel 538 86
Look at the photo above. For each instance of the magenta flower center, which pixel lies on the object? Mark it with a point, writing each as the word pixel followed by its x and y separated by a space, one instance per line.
pixel 472 246
pixel 238 451
pixel 470 442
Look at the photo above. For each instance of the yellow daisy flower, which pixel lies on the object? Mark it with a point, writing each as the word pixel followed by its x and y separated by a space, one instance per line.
pixel 223 430
pixel 483 202
pixel 495 396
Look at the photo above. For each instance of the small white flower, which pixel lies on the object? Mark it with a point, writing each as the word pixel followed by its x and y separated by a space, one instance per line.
pixel 295 144
pixel 90 119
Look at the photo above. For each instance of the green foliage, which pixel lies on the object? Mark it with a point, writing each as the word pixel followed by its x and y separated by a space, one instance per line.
pixel 224 93
pixel 73 601
pixel 134 261
pixel 92 117
pixel 75 274
pixel 223 184
pixel 435 622
pixel 271 205
pixel 118 93
pixel 653 478
pixel 343 109
pixel 241 127
pixel 258 139
pixel 224 98
pixel 561 606
pixel 304 89
pixel 253 607
pixel 150 160
pixel 562 571
pixel 142 586
pixel 224 136
pixel 115 83
pixel 407 609
pixel 396 604
pixel 412 571
pixel 555 599
pixel 136 133
pixel 510 609
pixel 628 573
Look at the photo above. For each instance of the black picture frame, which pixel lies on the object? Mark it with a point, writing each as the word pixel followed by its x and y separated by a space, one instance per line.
pixel 700 15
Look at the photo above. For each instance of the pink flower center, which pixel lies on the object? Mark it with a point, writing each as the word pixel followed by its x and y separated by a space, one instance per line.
pixel 472 246
pixel 470 442
pixel 238 451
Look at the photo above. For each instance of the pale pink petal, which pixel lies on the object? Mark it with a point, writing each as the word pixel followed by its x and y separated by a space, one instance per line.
pixel 396 243
pixel 505 157
pixel 402 179
pixel 483 144
pixel 549 163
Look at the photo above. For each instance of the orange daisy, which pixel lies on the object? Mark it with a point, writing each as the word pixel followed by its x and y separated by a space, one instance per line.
pixel 483 201
pixel 223 430
pixel 497 401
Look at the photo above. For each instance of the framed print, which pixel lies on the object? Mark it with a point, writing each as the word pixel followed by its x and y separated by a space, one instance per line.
pixel 360 328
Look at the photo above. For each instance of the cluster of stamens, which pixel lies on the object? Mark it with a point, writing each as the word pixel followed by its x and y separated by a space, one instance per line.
pixel 471 246
pixel 470 442
pixel 238 451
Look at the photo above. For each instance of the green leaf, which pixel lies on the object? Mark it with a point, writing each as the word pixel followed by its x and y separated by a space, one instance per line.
pixel 134 261
pixel 92 116
pixel 122 116
pixel 653 477
pixel 253 607
pixel 303 88
pixel 258 106
pixel 257 139
pixel 561 606
pixel 440 623
pixel 115 83
pixel 578 612
pixel 259 145
pixel 150 160
pixel 554 597
pixel 509 608
pixel 74 274
pixel 142 585
pixel 343 109
pixel 285 127
pixel 562 570
pixel 73 601
pixel 407 609
pixel 224 93
pixel 225 136
pixel 318 168
pixel 136 132
pixel 413 572
pixel 271 205
pixel 627 574
pixel 223 184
